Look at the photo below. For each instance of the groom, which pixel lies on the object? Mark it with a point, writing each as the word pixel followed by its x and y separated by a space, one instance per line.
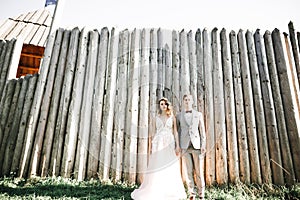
pixel 192 140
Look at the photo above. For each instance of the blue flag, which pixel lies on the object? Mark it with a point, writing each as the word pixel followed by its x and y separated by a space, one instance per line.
pixel 50 2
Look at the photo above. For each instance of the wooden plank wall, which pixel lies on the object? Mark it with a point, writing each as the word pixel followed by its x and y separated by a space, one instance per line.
pixel 89 112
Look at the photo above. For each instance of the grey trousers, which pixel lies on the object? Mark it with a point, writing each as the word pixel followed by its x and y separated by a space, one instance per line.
pixel 193 170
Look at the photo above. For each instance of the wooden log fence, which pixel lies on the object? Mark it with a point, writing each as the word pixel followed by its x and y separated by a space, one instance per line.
pixel 90 111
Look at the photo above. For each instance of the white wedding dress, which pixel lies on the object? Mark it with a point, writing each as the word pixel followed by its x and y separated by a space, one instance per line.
pixel 162 180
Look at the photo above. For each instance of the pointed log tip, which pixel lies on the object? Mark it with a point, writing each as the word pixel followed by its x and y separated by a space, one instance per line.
pixel 232 32
pixel 190 32
pixel 257 31
pixel 276 30
pixel 104 29
pixel 223 29
pixel 215 29
pixel 167 47
pixel 290 24
pixel 182 31
pixel 198 31
pixel 285 34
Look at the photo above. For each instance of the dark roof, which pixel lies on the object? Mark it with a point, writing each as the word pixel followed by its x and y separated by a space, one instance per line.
pixel 32 27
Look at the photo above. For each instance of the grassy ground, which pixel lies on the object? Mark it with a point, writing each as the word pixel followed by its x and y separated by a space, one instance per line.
pixel 61 188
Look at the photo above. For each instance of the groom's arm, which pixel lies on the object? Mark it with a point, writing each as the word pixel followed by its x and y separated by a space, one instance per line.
pixel 202 132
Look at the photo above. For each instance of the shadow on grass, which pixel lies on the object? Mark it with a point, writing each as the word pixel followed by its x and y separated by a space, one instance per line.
pixel 68 191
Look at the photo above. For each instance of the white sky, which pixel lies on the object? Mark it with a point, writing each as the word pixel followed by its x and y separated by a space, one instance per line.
pixel 169 14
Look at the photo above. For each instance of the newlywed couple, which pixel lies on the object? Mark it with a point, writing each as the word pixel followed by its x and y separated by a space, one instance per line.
pixel 163 179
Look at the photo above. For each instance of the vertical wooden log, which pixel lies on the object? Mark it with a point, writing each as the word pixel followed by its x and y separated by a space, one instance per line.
pixel 7 117
pixel 7 55
pixel 86 107
pixel 210 167
pixel 53 129
pixel 94 143
pixel 295 50
pixel 219 112
pixel 13 134
pixel 230 117
pixel 239 110
pixel 249 111
pixel 293 72
pixel 130 154
pixel 121 114
pixel 54 80
pixel 288 100
pixel 278 105
pixel 116 60
pixel 3 110
pixel 23 121
pixel 200 71
pixel 258 104
pixel 53 44
pixel 160 68
pixel 268 116
pixel 298 38
pixel 192 67
pixel 153 84
pixel 4 46
pixel 184 72
pixel 109 102
pixel 49 110
pixel 144 108
pixel 176 100
pixel 63 163
pixel 168 73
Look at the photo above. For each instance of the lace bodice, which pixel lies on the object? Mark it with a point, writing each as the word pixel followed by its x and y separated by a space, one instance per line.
pixel 164 126
pixel 163 137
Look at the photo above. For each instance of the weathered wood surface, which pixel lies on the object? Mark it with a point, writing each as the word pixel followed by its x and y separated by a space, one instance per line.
pixel 7 114
pixel 258 109
pixel 27 103
pixel 6 56
pixel 97 107
pixel 230 116
pixel 86 106
pixel 268 116
pixel 120 110
pixel 295 50
pixel 53 44
pixel 219 111
pixel 176 99
pixel 63 158
pixel 110 108
pixel 210 160
pixel 287 94
pixel 47 124
pixel 280 118
pixel 143 123
pixel 192 66
pixel 90 112
pixel 13 132
pixel 200 71
pixel 131 133
pixel 244 164
pixel 184 69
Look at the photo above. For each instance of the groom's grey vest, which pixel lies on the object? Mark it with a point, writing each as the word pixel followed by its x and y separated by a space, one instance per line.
pixel 189 132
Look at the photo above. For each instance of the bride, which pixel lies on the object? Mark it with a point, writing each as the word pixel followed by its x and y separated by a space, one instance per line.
pixel 162 179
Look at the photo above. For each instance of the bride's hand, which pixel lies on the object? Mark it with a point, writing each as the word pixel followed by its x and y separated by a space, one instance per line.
pixel 177 151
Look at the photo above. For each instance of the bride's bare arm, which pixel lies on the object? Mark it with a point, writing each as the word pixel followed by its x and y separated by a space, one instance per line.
pixel 177 147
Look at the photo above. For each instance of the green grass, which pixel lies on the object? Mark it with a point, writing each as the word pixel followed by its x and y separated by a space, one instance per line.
pixel 62 188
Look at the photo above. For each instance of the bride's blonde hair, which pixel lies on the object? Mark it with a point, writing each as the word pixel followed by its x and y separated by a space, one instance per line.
pixel 169 110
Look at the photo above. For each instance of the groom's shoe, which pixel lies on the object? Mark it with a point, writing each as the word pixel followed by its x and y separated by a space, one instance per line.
pixel 192 197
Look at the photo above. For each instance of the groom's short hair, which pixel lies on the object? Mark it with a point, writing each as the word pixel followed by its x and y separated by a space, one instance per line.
pixel 187 95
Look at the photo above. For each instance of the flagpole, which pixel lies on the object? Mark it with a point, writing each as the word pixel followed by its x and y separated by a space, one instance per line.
pixel 58 11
